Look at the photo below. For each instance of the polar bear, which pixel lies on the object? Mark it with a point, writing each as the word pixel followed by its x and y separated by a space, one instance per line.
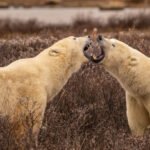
pixel 27 85
pixel 132 69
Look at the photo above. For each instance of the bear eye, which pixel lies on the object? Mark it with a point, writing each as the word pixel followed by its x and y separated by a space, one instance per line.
pixel 113 45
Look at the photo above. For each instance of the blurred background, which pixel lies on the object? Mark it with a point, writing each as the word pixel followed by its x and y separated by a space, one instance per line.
pixel 78 3
pixel 90 111
pixel 64 12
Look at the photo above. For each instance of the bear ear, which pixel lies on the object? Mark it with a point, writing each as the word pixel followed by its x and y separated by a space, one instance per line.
pixel 54 52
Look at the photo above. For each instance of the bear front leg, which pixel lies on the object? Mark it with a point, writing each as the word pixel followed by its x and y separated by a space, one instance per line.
pixel 37 118
pixel 138 117
pixel 37 127
pixel 28 119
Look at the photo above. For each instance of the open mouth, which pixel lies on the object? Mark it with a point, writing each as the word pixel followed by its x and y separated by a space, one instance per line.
pixel 86 47
pixel 98 58
pixel 86 51
pixel 94 52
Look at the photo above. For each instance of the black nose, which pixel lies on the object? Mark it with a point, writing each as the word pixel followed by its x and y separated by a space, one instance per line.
pixel 89 36
pixel 100 37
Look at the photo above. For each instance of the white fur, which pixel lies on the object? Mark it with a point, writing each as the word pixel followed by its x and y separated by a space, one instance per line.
pixel 27 85
pixel 132 69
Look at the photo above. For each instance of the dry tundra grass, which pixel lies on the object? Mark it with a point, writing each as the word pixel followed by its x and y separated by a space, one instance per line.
pixel 89 112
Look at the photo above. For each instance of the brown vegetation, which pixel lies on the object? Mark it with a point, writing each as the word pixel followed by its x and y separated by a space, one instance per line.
pixel 89 113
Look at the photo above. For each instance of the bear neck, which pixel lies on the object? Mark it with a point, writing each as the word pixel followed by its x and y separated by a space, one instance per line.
pixel 128 72
pixel 62 76
pixel 57 71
